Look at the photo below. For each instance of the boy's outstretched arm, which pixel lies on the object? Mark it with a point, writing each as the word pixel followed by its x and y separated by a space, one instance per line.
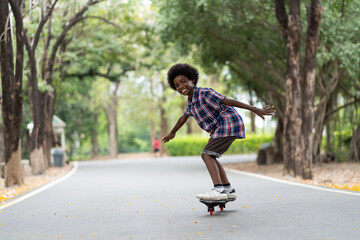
pixel 268 110
pixel 177 126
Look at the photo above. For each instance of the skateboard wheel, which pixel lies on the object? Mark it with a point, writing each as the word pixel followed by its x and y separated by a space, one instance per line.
pixel 221 208
pixel 211 212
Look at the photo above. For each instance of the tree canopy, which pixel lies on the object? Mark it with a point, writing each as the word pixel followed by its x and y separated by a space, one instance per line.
pixel 101 67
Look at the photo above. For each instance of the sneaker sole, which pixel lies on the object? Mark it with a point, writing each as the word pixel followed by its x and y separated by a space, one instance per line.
pixel 230 196
pixel 215 199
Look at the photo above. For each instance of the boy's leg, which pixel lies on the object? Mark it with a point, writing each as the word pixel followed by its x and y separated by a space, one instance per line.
pixel 222 188
pixel 213 168
pixel 223 176
pixel 212 150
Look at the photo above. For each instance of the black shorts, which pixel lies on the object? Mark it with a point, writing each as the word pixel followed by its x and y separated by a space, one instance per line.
pixel 217 146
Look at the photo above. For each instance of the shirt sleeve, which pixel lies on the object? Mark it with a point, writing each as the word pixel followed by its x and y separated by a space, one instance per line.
pixel 213 98
pixel 187 112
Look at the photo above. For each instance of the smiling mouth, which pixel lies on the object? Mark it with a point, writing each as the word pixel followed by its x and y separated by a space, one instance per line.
pixel 183 91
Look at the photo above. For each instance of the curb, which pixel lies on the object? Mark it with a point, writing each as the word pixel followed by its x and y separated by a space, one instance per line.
pixel 326 189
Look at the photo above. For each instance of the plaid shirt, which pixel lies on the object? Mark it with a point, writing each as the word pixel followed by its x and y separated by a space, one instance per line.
pixel 214 117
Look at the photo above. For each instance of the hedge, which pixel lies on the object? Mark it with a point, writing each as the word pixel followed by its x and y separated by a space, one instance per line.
pixel 192 145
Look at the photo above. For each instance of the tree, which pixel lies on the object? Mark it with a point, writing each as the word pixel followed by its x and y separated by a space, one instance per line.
pixel 300 89
pixel 111 53
pixel 337 86
pixel 354 154
pixel 11 80
pixel 42 102
pixel 234 35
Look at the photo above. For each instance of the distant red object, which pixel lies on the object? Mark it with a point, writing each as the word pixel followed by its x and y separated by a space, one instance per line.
pixel 156 144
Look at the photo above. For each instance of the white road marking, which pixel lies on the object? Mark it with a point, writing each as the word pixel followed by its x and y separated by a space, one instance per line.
pixel 293 183
pixel 41 189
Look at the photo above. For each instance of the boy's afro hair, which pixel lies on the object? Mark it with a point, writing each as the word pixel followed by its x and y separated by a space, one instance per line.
pixel 182 69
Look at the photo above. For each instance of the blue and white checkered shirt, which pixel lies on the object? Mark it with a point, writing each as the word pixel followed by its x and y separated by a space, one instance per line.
pixel 214 117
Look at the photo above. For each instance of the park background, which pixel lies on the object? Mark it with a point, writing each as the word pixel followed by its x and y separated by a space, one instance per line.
pixel 101 66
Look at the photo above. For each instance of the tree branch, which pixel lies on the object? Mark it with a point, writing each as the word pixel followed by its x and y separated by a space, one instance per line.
pixel 19 42
pixel 242 64
pixel 74 20
pixel 265 19
pixel 107 75
pixel 41 25
pixel 341 107
pixel 270 67
pixel 347 92
pixel 282 17
pixel 117 27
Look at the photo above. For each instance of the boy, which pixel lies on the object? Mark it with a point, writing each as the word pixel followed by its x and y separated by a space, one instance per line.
pixel 215 114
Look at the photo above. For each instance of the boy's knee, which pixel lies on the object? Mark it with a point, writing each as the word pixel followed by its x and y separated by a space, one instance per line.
pixel 203 156
pixel 206 156
pixel 210 153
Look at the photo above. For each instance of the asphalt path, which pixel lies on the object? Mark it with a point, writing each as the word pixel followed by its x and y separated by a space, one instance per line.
pixel 155 199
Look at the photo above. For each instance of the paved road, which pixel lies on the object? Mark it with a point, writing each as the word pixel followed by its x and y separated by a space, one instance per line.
pixel 154 199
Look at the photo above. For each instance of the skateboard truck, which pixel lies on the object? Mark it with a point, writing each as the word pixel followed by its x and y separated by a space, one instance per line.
pixel 211 204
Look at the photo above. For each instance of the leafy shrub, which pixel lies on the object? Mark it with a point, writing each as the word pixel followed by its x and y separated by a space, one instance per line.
pixel 191 145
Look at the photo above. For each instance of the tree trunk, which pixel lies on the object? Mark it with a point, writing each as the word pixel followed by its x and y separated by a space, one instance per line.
pixel 252 117
pixel 189 129
pixel 2 150
pixel 36 99
pixel 94 140
pixel 314 12
pixel 330 125
pixel 278 142
pixel 300 92
pixel 111 112
pixel 12 99
pixel 163 130
pixel 292 119
pixel 319 126
pixel 13 170
pixel 37 158
pixel 327 84
pixel 48 128
pixel 111 115
pixel 189 126
pixel 354 152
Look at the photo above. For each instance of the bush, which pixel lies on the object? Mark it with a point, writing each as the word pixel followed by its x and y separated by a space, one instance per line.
pixel 186 146
pixel 192 145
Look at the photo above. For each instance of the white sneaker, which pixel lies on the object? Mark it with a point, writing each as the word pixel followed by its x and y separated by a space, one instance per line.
pixel 212 195
pixel 231 194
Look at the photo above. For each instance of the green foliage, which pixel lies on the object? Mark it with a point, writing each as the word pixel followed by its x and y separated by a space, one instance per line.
pixel 193 145
pixel 339 37
pixel 240 41
pixel 241 35
pixel 250 144
pixel 186 146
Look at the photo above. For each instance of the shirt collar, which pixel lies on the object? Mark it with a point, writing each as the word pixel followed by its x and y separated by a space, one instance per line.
pixel 195 96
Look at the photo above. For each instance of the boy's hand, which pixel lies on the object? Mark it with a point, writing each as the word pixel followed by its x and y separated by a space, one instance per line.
pixel 266 111
pixel 168 137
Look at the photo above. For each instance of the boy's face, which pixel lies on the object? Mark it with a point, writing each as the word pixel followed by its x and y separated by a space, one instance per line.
pixel 184 85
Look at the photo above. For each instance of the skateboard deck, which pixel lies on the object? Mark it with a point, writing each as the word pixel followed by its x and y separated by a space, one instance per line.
pixel 211 204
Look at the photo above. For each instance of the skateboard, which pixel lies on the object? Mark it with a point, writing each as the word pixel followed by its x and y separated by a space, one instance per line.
pixel 211 204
